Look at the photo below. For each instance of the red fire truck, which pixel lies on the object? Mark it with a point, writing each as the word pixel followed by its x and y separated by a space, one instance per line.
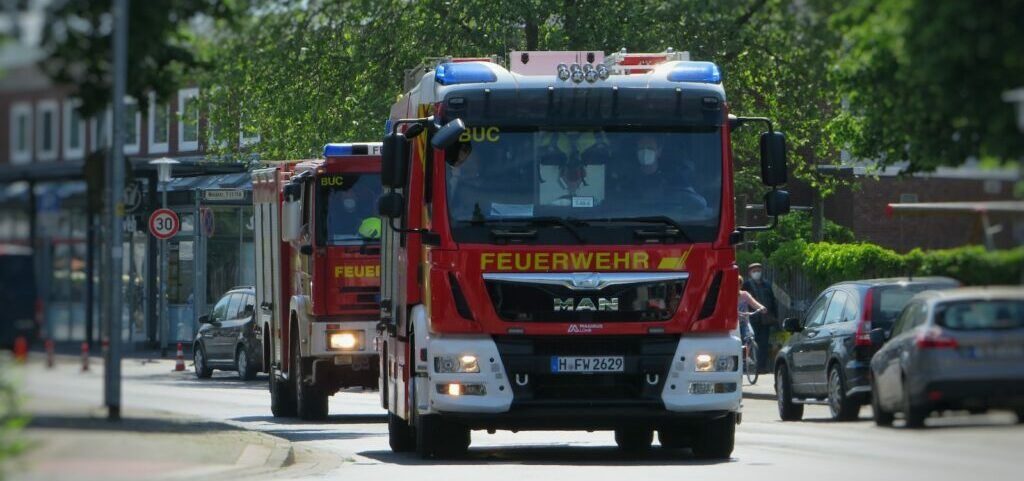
pixel 558 250
pixel 318 275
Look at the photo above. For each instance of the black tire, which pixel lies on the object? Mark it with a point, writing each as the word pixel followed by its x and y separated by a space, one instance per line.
pixel 1020 416
pixel 977 411
pixel 310 400
pixel 634 440
pixel 203 370
pixel 840 405
pixel 439 438
pixel 282 398
pixel 913 414
pixel 246 369
pixel 401 436
pixel 750 364
pixel 882 417
pixel 716 439
pixel 675 438
pixel 788 410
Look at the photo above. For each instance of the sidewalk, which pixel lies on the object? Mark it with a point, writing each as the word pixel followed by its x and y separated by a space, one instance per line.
pixel 72 442
pixel 764 389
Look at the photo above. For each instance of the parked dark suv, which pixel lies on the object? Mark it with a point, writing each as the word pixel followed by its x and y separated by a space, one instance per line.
pixel 228 337
pixel 828 356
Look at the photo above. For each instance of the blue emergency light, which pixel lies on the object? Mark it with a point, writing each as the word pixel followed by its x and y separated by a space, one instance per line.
pixel 463 73
pixel 702 72
pixel 334 150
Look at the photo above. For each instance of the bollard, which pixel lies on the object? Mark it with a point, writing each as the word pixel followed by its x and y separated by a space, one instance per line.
pixel 179 365
pixel 49 353
pixel 85 357
pixel 20 349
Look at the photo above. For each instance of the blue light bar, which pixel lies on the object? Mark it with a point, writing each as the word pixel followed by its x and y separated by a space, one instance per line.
pixel 702 72
pixel 334 150
pixel 464 73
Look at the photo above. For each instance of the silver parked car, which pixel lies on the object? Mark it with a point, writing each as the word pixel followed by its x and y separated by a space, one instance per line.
pixel 959 349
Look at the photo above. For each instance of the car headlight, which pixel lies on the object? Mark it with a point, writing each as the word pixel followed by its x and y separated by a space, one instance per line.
pixel 466 363
pixel 345 340
pixel 713 363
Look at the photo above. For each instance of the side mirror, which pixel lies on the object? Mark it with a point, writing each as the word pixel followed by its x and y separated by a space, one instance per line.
pixel 413 131
pixel 292 191
pixel 204 319
pixel 878 337
pixel 773 158
pixel 449 134
pixel 291 220
pixel 394 161
pixel 792 324
pixel 776 203
pixel 306 250
pixel 391 205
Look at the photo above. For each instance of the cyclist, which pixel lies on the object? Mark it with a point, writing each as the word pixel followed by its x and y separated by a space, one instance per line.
pixel 747 307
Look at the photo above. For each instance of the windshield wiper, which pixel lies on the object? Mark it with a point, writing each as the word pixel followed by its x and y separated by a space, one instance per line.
pixel 673 228
pixel 567 224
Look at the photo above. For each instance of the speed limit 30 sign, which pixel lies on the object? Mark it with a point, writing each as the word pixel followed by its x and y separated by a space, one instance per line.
pixel 163 223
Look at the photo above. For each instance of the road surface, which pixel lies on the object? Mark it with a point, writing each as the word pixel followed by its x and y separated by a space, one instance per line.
pixel 353 442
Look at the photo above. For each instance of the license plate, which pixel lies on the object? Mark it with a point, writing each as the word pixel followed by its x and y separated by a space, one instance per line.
pixel 998 352
pixel 586 364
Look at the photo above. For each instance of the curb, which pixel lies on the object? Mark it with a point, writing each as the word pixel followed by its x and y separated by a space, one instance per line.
pixel 758 395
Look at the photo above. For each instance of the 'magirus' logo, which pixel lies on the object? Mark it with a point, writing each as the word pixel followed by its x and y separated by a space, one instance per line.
pixel 586 304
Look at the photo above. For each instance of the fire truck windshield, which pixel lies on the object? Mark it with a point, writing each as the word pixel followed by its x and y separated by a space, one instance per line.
pixel 347 207
pixel 595 180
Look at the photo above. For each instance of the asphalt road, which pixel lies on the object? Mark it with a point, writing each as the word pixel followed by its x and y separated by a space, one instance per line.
pixel 353 442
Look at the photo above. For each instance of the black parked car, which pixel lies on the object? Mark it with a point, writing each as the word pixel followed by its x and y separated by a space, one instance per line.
pixel 228 337
pixel 21 315
pixel 828 356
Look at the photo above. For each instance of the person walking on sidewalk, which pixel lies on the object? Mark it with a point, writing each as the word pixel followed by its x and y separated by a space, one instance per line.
pixel 764 323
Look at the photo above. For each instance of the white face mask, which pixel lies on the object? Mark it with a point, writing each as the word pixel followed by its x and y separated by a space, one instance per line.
pixel 755 275
pixel 647 156
pixel 349 204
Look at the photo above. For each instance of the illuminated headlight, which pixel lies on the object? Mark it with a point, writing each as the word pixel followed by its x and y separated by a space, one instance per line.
pixel 457 389
pixel 712 363
pixel 712 387
pixel 345 340
pixel 466 363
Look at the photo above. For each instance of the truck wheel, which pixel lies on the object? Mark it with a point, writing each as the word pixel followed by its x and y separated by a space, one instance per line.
pixel 674 438
pixel 282 399
pixel 634 440
pixel 716 439
pixel 310 400
pixel 788 410
pixel 1020 416
pixel 244 365
pixel 400 435
pixel 439 438
pixel 840 405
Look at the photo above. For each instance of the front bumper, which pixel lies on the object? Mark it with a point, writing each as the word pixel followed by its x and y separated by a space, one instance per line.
pixel 522 393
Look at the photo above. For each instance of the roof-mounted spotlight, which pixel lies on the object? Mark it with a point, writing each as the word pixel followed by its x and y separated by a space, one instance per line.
pixel 563 71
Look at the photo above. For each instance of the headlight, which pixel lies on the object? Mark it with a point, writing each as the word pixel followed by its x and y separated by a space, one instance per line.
pixel 449 364
pixel 456 389
pixel 712 363
pixel 345 340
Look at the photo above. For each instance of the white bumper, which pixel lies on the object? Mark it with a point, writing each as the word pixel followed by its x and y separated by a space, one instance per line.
pixel 318 339
pixel 676 394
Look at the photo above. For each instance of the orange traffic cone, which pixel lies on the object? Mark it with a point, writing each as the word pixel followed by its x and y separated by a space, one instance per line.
pixel 20 349
pixel 85 356
pixel 49 353
pixel 179 365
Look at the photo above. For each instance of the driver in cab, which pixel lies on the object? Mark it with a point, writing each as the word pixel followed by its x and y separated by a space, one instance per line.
pixel 659 178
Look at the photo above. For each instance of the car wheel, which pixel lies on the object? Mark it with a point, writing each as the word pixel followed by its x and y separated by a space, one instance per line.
pixel 716 439
pixel 310 400
pixel 634 440
pixel 401 437
pixel 842 407
pixel 788 410
pixel 882 417
pixel 203 370
pixel 913 414
pixel 245 367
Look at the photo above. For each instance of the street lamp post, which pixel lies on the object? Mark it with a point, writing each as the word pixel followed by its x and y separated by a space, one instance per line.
pixel 163 166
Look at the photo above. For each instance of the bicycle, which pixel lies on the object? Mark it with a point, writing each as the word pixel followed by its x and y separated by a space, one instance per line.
pixel 749 350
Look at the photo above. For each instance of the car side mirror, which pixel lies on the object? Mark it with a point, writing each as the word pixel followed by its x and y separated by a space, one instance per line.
pixel 204 319
pixel 792 324
pixel 773 158
pixel 776 203
pixel 391 205
pixel 449 134
pixel 878 337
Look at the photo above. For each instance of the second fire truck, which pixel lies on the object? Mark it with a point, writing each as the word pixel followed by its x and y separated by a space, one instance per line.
pixel 558 250
pixel 317 241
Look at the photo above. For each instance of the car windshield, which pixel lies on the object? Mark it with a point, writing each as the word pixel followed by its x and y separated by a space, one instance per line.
pixel 350 201
pixel 981 315
pixel 589 177
pixel 890 300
